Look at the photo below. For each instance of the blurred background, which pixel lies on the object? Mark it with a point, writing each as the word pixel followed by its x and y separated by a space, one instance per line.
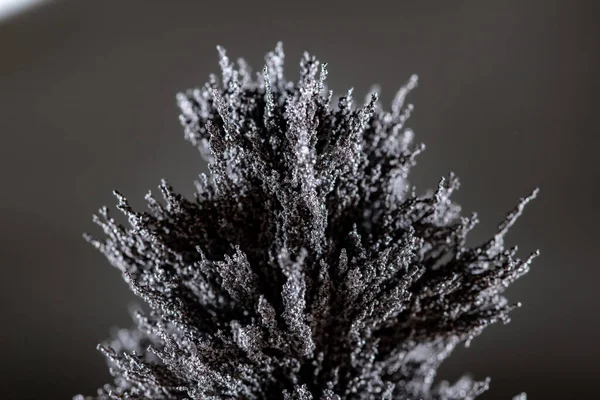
pixel 508 99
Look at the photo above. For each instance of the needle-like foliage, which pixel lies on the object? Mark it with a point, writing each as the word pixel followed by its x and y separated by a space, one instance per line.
pixel 306 267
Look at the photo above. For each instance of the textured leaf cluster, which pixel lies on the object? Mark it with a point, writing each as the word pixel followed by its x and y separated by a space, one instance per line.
pixel 306 267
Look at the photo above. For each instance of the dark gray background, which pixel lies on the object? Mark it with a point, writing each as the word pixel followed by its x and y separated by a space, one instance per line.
pixel 508 98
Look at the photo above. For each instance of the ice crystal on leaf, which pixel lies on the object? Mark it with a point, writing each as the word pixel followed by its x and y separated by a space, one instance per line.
pixel 306 267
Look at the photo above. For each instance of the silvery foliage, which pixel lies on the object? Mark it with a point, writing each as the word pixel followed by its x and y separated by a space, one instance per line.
pixel 306 267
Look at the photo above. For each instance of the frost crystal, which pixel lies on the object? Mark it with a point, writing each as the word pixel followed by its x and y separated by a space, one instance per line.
pixel 306 267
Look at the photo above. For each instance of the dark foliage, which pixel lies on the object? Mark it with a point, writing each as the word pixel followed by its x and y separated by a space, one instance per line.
pixel 307 267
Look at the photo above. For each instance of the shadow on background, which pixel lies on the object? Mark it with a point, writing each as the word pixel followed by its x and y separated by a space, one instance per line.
pixel 506 100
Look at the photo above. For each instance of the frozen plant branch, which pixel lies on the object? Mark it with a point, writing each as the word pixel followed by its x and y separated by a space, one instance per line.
pixel 306 267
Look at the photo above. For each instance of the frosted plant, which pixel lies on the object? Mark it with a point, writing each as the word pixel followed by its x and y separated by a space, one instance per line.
pixel 306 267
